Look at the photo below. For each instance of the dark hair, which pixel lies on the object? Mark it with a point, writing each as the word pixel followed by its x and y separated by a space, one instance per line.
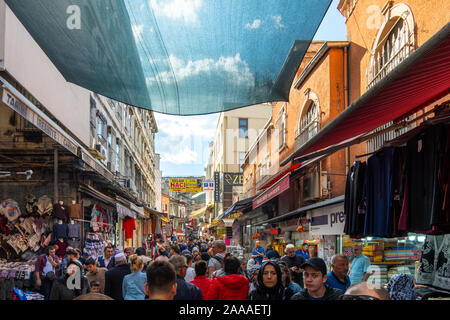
pixel 205 256
pixel 90 261
pixel 176 249
pixel 140 251
pixel 47 250
pixel 231 265
pixel 78 251
pixel 201 268
pixel 95 284
pixel 188 258
pixel 161 276
pixel 128 249
pixel 71 252
pixel 107 247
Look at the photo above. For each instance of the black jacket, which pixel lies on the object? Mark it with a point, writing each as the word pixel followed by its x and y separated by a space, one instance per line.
pixel 296 261
pixel 272 254
pixel 114 279
pixel 262 292
pixel 187 291
pixel 330 294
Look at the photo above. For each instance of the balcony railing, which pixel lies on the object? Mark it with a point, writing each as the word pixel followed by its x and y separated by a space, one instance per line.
pixel 307 133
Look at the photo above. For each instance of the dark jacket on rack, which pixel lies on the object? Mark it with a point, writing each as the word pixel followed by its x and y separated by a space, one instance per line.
pixel 59 231
pixel 330 294
pixel 114 281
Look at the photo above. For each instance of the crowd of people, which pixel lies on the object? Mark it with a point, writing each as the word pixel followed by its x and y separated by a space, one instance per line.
pixel 204 270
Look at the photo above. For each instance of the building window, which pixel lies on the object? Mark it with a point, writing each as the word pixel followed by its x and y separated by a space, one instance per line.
pixel 309 123
pixel 241 160
pixel 281 125
pixel 243 128
pixel 117 155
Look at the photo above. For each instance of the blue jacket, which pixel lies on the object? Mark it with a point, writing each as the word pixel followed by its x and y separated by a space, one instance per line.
pixel 133 287
pixel 187 291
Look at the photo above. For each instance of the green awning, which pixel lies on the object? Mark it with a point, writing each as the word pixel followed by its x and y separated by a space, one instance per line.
pixel 180 57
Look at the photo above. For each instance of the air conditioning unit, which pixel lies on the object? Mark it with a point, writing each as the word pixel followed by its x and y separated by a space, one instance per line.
pixel 108 166
pixel 311 186
pixel 324 184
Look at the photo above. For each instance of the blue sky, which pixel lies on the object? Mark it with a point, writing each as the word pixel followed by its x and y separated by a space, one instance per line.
pixel 183 141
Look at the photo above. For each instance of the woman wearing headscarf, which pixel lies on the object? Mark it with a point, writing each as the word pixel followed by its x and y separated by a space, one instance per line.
pixel 401 287
pixel 269 286
pixel 290 287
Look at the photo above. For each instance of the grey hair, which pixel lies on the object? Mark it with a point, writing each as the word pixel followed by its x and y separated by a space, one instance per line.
pixel 334 258
pixel 220 244
pixel 178 261
pixel 289 246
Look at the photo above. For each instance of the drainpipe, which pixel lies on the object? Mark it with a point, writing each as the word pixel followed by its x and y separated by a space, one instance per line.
pixel 347 102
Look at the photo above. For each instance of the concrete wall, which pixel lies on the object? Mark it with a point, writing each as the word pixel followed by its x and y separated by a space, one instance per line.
pixel 29 65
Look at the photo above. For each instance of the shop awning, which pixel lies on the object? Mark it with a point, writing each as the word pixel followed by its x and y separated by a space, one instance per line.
pixel 139 210
pixel 176 57
pixel 418 81
pixel 161 215
pixel 198 213
pixel 280 175
pixel 96 194
pixel 242 205
pixel 277 188
pixel 122 210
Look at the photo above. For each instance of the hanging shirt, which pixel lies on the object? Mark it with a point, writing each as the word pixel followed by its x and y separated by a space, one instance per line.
pixel 129 225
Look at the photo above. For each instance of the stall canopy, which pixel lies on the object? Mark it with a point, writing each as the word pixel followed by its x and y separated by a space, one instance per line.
pixel 198 213
pixel 173 56
pixel 419 80
pixel 242 205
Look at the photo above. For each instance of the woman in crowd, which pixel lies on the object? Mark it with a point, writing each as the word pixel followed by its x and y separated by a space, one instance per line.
pixel 141 253
pixel 244 268
pixel 133 286
pixel 290 287
pixel 253 277
pixel 401 287
pixel 269 286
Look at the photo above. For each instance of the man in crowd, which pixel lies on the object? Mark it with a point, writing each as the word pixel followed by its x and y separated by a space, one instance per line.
pixel 114 277
pixel 215 263
pixel 315 276
pixel 294 263
pixel 185 290
pixel 96 273
pixel 46 267
pixel 271 253
pixel 128 252
pixel 161 281
pixel 190 245
pixel 107 260
pixel 190 272
pixel 174 250
pixel 364 291
pixel 258 252
pixel 200 279
pixel 304 251
pixel 360 264
pixel 337 277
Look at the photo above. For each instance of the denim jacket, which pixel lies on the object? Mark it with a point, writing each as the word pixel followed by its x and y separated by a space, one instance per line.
pixel 133 287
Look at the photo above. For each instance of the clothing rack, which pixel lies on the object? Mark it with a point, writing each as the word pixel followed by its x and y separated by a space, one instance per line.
pixel 89 221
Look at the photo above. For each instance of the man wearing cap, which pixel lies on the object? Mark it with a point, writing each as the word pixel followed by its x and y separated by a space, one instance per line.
pixel 314 277
pixel 114 277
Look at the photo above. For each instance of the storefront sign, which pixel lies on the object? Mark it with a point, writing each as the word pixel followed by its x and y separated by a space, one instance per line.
pixel 125 211
pixel 208 185
pixel 32 116
pixel 328 220
pixel 274 191
pixel 233 179
pixel 185 185
pixel 216 187
pixel 221 231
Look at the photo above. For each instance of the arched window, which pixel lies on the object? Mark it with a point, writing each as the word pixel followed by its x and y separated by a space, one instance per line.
pixel 308 124
pixel 394 42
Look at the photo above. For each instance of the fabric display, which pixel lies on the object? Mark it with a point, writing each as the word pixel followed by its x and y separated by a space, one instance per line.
pixel 74 231
pixel 75 211
pixel 128 225
pixel 99 219
pixel 60 211
pixel 62 246
pixel 19 294
pixel 399 253
pixel 10 209
pixel 45 205
pixel 434 264
pixel 401 189
pixel 31 207
pixel 93 246
pixel 16 270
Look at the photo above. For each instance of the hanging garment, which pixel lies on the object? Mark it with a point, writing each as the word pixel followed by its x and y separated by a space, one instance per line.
pixel 424 159
pixel 73 230
pixel 45 206
pixel 75 211
pixel 62 246
pixel 59 231
pixel 128 225
pixel 27 225
pixel 10 209
pixel 354 217
pixel 60 211
pixel 378 190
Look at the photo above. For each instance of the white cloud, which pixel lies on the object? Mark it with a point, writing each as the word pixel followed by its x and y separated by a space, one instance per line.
pixel 176 9
pixel 255 25
pixel 183 139
pixel 277 21
pixel 234 68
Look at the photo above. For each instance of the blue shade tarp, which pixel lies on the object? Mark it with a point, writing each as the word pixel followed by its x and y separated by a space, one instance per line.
pixel 182 57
